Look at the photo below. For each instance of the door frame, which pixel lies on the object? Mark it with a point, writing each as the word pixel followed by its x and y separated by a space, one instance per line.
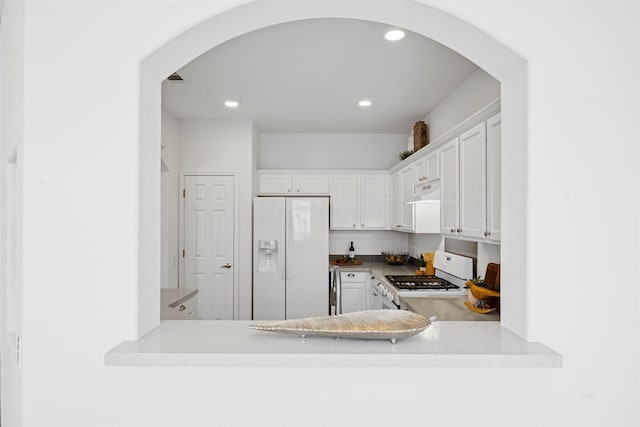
pixel 181 216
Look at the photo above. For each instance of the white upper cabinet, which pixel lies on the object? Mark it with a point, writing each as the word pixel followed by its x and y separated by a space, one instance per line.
pixel 420 171
pixel 275 183
pixel 426 173
pixel 292 184
pixel 470 180
pixel 311 184
pixel 449 188
pixel 374 201
pixel 396 201
pixel 494 182
pixel 359 202
pixel 406 195
pixel 432 165
pixel 344 202
pixel 473 189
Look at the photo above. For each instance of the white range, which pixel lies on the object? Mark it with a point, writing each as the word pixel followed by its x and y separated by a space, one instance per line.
pixel 451 273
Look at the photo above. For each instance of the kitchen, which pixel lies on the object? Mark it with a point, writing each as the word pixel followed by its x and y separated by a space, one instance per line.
pixel 345 161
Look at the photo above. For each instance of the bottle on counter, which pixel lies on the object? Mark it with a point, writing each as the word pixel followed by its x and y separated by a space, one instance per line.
pixel 352 252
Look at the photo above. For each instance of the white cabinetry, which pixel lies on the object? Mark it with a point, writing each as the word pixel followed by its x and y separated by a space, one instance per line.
pixel 396 201
pixel 473 187
pixel 359 202
pixel 426 172
pixel 293 184
pixel 449 188
pixel 470 183
pixel 421 217
pixel 406 189
pixel 355 291
pixel 401 193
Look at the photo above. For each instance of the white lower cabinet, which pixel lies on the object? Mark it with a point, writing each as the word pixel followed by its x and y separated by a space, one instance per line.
pixel 355 291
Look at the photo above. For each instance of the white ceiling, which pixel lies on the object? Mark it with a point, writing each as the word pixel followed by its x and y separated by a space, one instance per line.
pixel 307 77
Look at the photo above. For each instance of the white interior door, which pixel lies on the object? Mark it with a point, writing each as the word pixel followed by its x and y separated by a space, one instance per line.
pixel 208 243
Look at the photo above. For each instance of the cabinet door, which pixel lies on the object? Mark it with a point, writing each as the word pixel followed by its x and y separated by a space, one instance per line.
pixel 419 171
pixel 311 184
pixel 275 184
pixel 396 212
pixel 373 201
pixel 494 183
pixel 344 202
pixel 449 188
pixel 473 196
pixel 432 166
pixel 406 183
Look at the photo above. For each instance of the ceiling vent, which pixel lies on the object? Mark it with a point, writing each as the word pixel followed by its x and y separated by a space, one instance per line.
pixel 175 77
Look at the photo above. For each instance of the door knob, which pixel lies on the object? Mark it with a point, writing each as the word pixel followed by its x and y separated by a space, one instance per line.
pixel 227 265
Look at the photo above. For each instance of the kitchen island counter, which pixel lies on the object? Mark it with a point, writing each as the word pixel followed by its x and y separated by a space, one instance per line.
pixel 226 343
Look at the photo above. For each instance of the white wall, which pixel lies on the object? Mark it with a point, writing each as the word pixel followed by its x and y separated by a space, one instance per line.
pixel 226 146
pixel 330 151
pixel 88 129
pixel 371 242
pixel 476 92
pixel 11 136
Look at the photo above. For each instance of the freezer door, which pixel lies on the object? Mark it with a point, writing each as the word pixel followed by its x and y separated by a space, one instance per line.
pixel 268 277
pixel 307 257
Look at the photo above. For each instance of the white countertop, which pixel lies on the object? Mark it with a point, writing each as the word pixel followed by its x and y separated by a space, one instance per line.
pixel 227 343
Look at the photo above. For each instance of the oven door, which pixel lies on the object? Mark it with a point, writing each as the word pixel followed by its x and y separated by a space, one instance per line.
pixel 390 305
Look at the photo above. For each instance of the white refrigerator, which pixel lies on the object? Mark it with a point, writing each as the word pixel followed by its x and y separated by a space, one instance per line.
pixel 290 257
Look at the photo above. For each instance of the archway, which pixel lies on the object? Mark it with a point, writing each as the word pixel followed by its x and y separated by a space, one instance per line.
pixel 499 61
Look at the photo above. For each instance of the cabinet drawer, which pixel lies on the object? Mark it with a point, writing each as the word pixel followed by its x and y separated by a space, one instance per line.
pixel 353 276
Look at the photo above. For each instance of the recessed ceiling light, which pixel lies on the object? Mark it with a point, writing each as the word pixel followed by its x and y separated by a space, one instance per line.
pixel 365 103
pixel 231 103
pixel 394 35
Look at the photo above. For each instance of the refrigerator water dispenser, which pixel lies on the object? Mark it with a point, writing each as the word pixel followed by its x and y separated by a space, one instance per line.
pixel 268 255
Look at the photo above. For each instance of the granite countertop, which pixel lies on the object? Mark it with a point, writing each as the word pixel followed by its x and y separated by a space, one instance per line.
pixel 444 307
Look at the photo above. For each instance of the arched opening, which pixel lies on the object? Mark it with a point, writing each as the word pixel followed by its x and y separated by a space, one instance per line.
pixel 497 60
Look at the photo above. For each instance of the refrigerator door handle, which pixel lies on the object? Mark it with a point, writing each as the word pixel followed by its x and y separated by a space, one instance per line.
pixel 336 288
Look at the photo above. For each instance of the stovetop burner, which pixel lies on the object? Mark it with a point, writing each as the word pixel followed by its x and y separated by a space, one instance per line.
pixel 421 283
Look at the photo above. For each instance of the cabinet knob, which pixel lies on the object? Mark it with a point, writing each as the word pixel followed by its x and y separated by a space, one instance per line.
pixel 354 226
pixel 182 307
pixel 459 230
pixel 486 233
pixel 361 225
pixel 298 190
pixel 453 230
pixel 288 190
